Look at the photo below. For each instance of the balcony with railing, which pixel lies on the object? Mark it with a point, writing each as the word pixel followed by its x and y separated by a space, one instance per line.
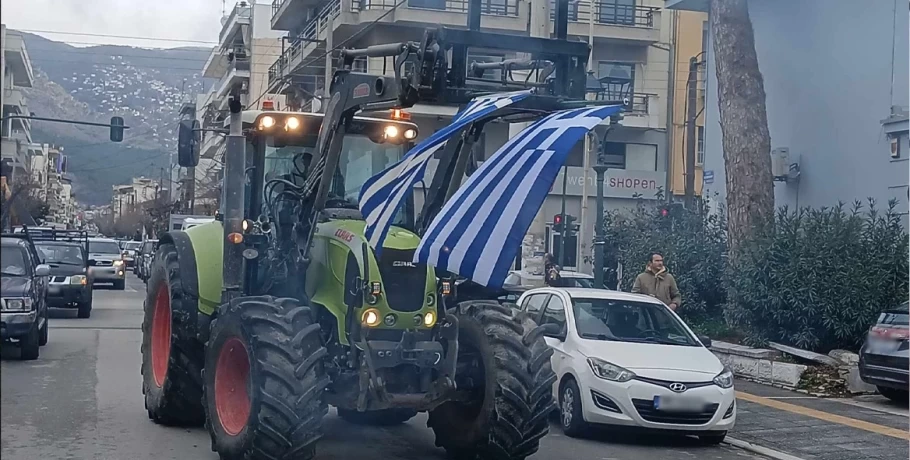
pixel 350 16
pixel 612 20
pixel 288 14
pixel 238 71
pixel 239 16
pixel 17 59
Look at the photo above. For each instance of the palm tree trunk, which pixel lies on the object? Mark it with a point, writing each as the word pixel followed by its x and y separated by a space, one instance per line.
pixel 743 122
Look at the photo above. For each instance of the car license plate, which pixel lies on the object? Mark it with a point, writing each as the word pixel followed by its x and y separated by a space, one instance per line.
pixel 678 404
pixel 53 290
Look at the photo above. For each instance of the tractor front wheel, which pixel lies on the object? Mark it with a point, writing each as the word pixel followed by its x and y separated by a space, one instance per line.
pixel 504 367
pixel 264 380
pixel 171 357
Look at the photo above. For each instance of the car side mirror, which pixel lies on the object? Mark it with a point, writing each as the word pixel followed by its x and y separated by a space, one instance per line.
pixel 705 340
pixel 42 270
pixel 554 331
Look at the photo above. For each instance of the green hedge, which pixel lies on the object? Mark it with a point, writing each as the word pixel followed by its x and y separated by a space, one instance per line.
pixel 820 277
pixel 692 243
pixel 816 280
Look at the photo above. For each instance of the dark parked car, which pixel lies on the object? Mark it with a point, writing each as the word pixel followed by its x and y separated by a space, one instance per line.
pixel 144 260
pixel 23 295
pixel 66 253
pixel 885 357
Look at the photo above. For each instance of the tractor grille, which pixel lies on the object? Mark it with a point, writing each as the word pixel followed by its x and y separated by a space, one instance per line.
pixel 402 281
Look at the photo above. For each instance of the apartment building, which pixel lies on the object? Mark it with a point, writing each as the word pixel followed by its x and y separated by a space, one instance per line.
pixel 129 198
pixel 17 73
pixel 836 97
pixel 629 59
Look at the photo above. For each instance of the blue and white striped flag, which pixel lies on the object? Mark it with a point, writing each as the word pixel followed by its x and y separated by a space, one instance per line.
pixel 382 194
pixel 479 231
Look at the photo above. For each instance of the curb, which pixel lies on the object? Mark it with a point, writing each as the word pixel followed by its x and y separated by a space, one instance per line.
pixel 760 450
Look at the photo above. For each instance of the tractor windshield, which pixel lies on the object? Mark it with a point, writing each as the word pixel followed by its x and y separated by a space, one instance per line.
pixel 361 158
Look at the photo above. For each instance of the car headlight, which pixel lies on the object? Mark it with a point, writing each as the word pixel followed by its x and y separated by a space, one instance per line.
pixel 78 279
pixel 724 379
pixel 17 304
pixel 609 371
pixel 118 263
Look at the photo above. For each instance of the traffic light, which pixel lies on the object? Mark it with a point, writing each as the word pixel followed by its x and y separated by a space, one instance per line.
pixel 116 129
pixel 671 210
pixel 571 226
pixel 558 223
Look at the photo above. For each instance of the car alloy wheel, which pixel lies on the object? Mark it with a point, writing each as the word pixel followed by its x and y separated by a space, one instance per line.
pixel 568 402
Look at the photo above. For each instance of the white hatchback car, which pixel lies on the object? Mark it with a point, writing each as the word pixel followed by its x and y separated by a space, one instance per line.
pixel 627 359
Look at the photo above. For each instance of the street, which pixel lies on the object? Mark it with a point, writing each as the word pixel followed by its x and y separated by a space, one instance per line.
pixel 81 399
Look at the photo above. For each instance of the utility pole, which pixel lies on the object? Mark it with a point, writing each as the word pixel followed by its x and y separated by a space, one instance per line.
pixel 600 168
pixel 562 236
pixel 691 111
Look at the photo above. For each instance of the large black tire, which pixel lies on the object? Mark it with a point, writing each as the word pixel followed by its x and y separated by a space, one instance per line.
pixel 504 351
pixel 29 347
pixel 44 332
pixel 173 388
pixel 85 307
pixel 265 380
pixel 386 417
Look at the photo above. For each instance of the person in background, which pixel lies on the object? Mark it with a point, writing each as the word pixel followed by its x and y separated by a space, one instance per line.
pixel 657 282
pixel 550 270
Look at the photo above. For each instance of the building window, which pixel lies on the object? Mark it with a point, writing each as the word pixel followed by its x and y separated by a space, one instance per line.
pixel 360 65
pixel 630 156
pixel 700 145
pixel 617 79
pixel 430 4
pixel 616 12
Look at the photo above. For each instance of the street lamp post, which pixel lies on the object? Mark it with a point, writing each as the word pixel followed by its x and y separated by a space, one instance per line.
pixel 599 238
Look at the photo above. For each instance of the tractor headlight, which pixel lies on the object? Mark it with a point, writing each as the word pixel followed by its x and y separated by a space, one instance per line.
pixel 292 123
pixel 370 317
pixel 266 122
pixel 17 304
pixel 410 133
pixel 390 131
pixel 429 319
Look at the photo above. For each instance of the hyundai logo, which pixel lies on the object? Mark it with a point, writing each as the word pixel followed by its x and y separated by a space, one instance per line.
pixel 677 387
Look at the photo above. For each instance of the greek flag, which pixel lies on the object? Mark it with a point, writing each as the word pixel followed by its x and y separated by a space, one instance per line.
pixel 479 231
pixel 382 195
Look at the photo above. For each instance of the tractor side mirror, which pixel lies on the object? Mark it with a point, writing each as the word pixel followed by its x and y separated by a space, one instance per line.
pixel 188 143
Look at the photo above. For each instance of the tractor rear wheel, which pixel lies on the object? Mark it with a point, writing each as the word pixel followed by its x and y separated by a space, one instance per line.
pixel 385 417
pixel 504 363
pixel 264 380
pixel 171 356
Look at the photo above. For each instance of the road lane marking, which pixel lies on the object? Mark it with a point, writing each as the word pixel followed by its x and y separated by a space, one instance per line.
pixel 828 417
pixel 790 397
pixel 875 407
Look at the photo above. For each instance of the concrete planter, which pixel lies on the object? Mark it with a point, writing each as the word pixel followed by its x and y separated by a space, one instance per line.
pixel 758 364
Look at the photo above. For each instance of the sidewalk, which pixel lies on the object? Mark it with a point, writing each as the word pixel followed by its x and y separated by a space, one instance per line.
pixel 820 429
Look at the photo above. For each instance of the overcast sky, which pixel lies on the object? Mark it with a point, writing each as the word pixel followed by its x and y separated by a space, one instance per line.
pixel 171 20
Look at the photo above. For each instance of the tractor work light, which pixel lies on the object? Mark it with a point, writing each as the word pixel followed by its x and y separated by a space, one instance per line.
pixel 266 122
pixel 390 131
pixel 446 288
pixel 398 114
pixel 429 319
pixel 246 224
pixel 292 123
pixel 235 238
pixel 410 133
pixel 370 317
pixel 376 288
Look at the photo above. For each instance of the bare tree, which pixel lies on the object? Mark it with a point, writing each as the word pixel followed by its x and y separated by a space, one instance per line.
pixel 743 121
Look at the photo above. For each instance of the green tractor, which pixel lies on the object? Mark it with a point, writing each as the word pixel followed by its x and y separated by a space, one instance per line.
pixel 255 323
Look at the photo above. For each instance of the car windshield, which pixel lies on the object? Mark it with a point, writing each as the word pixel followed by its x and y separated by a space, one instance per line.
pixel 103 247
pixel 898 316
pixel 12 261
pixel 628 321
pixel 132 245
pixel 61 254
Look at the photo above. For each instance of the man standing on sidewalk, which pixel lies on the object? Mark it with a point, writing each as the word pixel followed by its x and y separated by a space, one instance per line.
pixel 657 282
